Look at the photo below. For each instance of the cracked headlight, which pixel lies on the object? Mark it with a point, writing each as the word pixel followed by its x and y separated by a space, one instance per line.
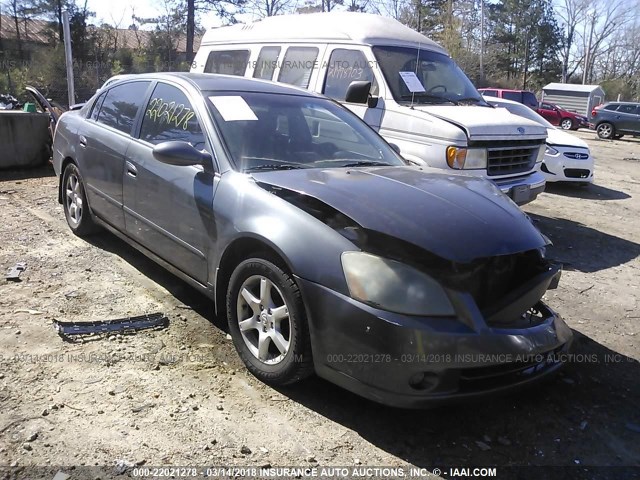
pixel 393 286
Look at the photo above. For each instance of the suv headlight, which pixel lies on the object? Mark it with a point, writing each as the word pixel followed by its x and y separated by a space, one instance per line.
pixel 462 158
pixel 393 286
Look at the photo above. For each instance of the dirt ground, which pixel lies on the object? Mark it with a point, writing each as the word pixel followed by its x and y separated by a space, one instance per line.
pixel 181 396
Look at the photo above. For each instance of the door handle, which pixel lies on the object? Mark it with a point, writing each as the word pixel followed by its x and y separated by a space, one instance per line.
pixel 83 141
pixel 132 171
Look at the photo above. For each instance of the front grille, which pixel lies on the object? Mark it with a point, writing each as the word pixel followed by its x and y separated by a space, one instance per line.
pixel 576 173
pixel 484 378
pixel 511 159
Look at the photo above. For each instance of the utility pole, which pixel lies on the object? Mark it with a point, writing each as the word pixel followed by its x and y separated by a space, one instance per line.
pixel 587 56
pixel 482 43
pixel 68 58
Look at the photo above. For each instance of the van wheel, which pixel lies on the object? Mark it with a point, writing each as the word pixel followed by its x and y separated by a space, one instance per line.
pixel 76 207
pixel 567 124
pixel 605 130
pixel 267 322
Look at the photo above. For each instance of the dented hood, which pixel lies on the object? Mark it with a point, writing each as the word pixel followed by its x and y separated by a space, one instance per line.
pixel 457 217
pixel 485 123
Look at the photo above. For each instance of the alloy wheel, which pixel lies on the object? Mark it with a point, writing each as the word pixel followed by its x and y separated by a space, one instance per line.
pixel 74 198
pixel 263 319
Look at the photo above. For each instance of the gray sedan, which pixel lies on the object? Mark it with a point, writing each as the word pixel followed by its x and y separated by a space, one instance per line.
pixel 324 250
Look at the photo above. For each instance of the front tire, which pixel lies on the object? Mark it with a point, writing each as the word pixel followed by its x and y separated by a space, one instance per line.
pixel 566 124
pixel 74 199
pixel 267 322
pixel 605 130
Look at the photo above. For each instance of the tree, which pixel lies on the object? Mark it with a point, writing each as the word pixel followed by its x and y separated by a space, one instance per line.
pixel 571 13
pixel 271 8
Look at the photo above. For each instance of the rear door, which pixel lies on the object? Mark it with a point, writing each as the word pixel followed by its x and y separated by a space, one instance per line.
pixel 104 140
pixel 168 208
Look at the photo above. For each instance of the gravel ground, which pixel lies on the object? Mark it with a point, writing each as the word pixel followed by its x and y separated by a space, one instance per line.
pixel 180 396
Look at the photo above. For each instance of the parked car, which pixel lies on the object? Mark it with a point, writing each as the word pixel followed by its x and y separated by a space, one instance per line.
pixel 324 250
pixel 521 96
pixel 567 158
pixel 565 119
pixel 616 119
pixel 400 82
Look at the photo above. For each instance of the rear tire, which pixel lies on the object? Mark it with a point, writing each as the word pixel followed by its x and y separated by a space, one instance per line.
pixel 74 200
pixel 267 322
pixel 566 124
pixel 605 130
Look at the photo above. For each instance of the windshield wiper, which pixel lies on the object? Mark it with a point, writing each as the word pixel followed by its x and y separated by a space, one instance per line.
pixel 366 163
pixel 471 99
pixel 438 98
pixel 274 166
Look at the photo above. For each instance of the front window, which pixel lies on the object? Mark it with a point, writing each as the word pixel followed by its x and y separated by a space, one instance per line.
pixel 227 62
pixel 346 66
pixel 264 131
pixel 441 80
pixel 169 116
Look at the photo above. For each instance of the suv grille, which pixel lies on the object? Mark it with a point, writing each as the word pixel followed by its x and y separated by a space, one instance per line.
pixel 512 159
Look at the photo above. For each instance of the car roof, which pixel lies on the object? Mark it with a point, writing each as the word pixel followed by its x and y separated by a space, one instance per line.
pixel 622 103
pixel 501 89
pixel 322 27
pixel 217 82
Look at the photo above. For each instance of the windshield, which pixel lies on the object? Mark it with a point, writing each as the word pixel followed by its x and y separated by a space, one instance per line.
pixel 440 79
pixel 265 131
pixel 522 111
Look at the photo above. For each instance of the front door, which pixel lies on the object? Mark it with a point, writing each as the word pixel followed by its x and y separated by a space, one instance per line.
pixel 549 113
pixel 346 65
pixel 628 118
pixel 168 208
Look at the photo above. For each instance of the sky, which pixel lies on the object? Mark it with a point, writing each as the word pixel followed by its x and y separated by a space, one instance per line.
pixel 119 12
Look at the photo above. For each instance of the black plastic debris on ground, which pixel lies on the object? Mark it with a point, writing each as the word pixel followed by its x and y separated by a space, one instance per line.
pixel 14 272
pixel 74 331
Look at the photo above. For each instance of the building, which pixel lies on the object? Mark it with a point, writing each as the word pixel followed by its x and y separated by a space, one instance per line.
pixel 575 98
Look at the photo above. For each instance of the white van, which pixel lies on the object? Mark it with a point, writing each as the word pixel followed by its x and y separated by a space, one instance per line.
pixel 401 83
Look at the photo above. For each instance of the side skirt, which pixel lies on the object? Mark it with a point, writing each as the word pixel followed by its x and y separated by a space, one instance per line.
pixel 207 290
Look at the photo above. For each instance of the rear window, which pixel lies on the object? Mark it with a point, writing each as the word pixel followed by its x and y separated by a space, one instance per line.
pixel 266 63
pixel 298 65
pixel 489 93
pixel 515 96
pixel 121 105
pixel 611 106
pixel 529 99
pixel 228 62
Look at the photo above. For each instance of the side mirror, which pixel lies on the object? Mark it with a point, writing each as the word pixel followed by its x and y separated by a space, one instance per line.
pixel 395 148
pixel 180 154
pixel 358 92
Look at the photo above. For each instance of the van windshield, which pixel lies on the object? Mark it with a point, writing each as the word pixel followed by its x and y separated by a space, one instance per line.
pixel 440 79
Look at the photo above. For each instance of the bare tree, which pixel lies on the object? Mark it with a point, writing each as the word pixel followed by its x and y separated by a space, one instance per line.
pixel 602 21
pixel 571 14
pixel 270 8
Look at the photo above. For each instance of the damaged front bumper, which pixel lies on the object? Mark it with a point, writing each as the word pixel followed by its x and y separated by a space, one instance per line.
pixel 416 362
